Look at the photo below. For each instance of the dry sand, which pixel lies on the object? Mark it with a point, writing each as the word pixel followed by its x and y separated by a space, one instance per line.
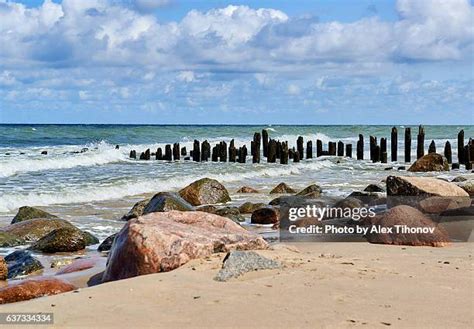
pixel 323 285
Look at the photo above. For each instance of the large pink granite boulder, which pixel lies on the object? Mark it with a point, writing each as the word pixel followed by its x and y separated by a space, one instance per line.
pixel 33 288
pixel 160 242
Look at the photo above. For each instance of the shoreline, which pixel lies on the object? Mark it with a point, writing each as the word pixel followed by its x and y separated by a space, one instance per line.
pixel 329 285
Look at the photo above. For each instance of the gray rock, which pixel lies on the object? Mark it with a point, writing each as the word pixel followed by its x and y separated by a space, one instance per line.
pixel 106 245
pixel 20 263
pixel 237 263
pixel 26 213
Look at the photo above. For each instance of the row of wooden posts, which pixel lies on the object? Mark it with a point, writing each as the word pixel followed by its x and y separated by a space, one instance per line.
pixel 275 149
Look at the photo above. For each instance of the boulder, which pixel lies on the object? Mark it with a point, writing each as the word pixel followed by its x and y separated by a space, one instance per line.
pixel 64 239
pixel 412 218
pixel 237 263
pixel 163 241
pixel 26 213
pixel 20 263
pixel 350 203
pixel 312 190
pixel 137 210
pixel 166 201
pixel 107 243
pixel 282 188
pixel 247 189
pixel 77 265
pixel 422 186
pixel 374 188
pixel 467 186
pixel 209 208
pixel 29 289
pixel 3 269
pixel 34 229
pixel 10 240
pixel 232 213
pixel 205 191
pixel 430 162
pixel 89 238
pixel 267 215
pixel 249 207
pixel 367 197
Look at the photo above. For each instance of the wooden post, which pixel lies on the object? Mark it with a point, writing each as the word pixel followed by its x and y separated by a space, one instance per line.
pixel 383 146
pixel 278 152
pixel 299 147
pixel 244 154
pixel 360 147
pixel 319 148
pixel 159 154
pixel 232 151
pixel 183 151
pixel 376 157
pixel 146 155
pixel 296 156
pixel 461 155
pixel 272 149
pixel 408 145
pixel 467 157
pixel 291 153
pixel 332 148
pixel 196 151
pixel 265 142
pixel 176 152
pixel 284 153
pixel 349 150
pixel 394 144
pixel 373 143
pixel 432 147
pixel 223 151
pixel 420 147
pixel 205 151
pixel 168 153
pixel 340 149
pixel 215 153
pixel 447 152
pixel 383 157
pixel 133 154
pixel 309 150
pixel 256 153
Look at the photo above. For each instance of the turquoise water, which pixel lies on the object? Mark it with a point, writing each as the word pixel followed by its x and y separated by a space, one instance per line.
pixel 95 187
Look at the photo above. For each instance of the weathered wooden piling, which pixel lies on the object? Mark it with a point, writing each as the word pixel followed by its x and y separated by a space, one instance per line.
pixel 349 150
pixel 242 154
pixel 159 154
pixel 176 151
pixel 420 147
pixel 147 155
pixel 309 150
pixel 360 147
pixel 455 166
pixel 296 155
pixel 300 147
pixel 184 152
pixel 407 144
pixel 340 149
pixel 376 155
pixel 461 146
pixel 272 149
pixel 332 148
pixel 223 151
pixel 256 146
pixel 373 143
pixel 168 152
pixel 394 144
pixel 232 151
pixel 383 146
pixel 383 157
pixel 467 157
pixel 265 142
pixel 432 147
pixel 447 152
pixel 196 151
pixel 319 148
pixel 205 151
pixel 215 153
pixel 284 153
pixel 278 152
pixel 133 154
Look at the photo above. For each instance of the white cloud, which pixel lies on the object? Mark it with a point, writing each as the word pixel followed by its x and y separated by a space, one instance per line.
pixel 293 89
pixel 186 76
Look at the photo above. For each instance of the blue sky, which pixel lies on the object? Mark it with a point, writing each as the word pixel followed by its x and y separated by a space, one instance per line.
pixel 172 61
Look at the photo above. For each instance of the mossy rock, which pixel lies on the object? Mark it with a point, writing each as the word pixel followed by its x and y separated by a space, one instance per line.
pixel 66 239
pixel 26 213
pixel 34 229
pixel 10 240
pixel 312 190
pixel 282 188
pixel 430 162
pixel 89 238
pixel 166 201
pixel 232 213
pixel 205 191
pixel 250 207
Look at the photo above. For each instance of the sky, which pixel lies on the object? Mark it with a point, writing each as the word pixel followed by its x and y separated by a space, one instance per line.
pixel 237 62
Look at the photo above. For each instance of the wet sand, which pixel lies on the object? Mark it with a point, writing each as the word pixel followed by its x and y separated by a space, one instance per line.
pixel 322 285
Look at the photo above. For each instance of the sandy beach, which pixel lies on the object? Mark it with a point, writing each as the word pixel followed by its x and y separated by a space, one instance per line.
pixel 322 285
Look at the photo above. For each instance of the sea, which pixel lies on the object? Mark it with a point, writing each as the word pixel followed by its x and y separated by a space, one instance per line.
pixel 85 179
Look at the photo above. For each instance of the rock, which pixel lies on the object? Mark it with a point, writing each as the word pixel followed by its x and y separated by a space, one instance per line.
pixel 422 186
pixel 350 203
pixel 26 213
pixel 374 188
pixel 29 289
pixel 237 263
pixel 232 213
pixel 107 243
pixel 267 215
pixel 430 162
pixel 247 189
pixel 34 229
pixel 137 210
pixel 282 188
pixel 249 207
pixel 313 190
pixel 205 191
pixel 61 262
pixel 163 241
pixel 295 201
pixel 166 201
pixel 64 239
pixel 411 217
pixel 89 238
pixel 459 179
pixel 3 269
pixel 367 197
pixel 77 265
pixel 467 186
pixel 21 263
pixel 10 240
pixel 207 208
pixel 438 204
